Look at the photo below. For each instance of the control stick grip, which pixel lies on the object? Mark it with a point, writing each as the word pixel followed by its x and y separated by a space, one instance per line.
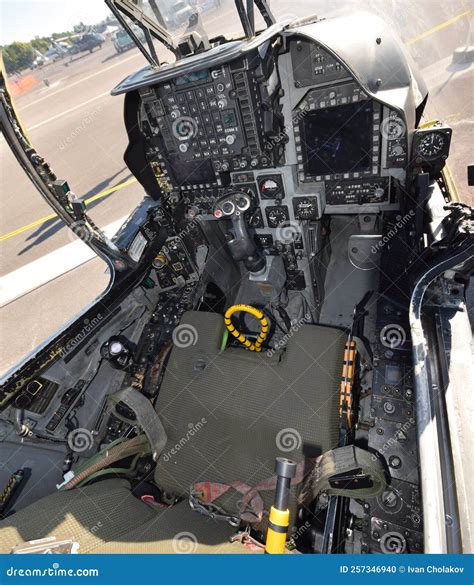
pixel 242 247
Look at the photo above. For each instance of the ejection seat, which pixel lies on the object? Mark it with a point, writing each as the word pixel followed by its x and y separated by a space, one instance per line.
pixel 228 415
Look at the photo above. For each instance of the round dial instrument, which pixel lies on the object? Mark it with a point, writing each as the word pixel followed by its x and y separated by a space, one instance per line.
pixel 277 216
pixel 270 188
pixel 431 145
pixel 305 207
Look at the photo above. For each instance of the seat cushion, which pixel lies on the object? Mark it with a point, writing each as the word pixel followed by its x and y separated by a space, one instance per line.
pixel 107 518
pixel 176 530
pixel 90 515
pixel 229 414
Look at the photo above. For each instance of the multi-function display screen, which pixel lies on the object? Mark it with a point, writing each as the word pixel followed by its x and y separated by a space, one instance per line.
pixel 196 172
pixel 338 140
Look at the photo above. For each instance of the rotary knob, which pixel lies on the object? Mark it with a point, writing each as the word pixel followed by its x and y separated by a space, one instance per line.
pixel 160 261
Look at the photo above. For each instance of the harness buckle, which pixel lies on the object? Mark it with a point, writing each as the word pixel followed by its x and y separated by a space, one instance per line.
pixel 211 510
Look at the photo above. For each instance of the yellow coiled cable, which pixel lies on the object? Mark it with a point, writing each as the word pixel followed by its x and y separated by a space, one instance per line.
pixel 257 346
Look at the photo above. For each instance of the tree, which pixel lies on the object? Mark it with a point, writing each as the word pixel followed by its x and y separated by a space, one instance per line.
pixel 18 56
pixel 79 28
pixel 40 44
pixel 62 35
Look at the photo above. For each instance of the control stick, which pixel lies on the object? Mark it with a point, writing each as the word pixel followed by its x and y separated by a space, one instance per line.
pixel 243 248
pixel 241 245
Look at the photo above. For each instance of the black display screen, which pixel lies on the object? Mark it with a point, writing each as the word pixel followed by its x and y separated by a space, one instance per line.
pixel 338 140
pixel 193 77
pixel 196 172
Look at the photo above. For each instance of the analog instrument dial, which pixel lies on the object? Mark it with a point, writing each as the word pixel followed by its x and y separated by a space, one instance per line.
pixel 432 145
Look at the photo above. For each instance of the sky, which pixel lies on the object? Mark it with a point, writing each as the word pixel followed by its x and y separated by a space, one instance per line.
pixel 22 20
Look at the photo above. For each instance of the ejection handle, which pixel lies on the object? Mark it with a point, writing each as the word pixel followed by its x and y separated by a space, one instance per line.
pixel 279 518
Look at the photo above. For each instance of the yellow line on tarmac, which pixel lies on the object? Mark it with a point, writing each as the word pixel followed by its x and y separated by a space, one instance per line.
pixel 53 215
pixel 440 27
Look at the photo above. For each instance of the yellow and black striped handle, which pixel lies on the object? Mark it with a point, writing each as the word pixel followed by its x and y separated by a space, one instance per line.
pixel 257 346
pixel 278 523
pixel 347 380
pixel 279 517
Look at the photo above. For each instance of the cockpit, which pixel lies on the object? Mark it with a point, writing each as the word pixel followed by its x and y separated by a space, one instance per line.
pixel 262 301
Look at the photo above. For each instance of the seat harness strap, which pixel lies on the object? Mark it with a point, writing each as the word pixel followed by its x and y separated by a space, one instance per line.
pixel 146 417
pixel 346 471
pixel 251 506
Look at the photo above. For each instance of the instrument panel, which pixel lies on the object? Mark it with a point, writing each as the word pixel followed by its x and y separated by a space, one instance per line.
pixel 343 150
pixel 201 126
pixel 201 119
pixel 313 65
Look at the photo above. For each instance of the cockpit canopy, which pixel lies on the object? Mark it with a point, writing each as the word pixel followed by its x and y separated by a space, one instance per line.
pixel 186 26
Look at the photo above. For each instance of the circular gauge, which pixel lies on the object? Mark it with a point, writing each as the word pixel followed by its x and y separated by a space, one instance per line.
pixel 306 208
pixel 276 216
pixel 254 219
pixel 431 145
pixel 270 188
